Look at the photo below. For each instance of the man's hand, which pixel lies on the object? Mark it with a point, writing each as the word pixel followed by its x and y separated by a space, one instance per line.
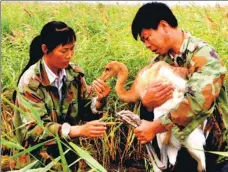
pixel 157 94
pixel 147 130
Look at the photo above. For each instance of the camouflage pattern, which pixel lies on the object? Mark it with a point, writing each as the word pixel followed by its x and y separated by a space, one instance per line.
pixel 205 94
pixel 38 99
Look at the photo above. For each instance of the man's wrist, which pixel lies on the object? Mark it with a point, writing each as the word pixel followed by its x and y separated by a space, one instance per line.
pixel 166 121
pixel 158 126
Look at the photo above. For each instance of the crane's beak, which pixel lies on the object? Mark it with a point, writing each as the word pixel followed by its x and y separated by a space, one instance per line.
pixel 103 77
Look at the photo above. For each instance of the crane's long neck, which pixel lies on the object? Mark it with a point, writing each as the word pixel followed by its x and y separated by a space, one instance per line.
pixel 123 94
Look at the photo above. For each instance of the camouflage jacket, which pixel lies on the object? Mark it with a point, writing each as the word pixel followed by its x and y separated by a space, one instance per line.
pixel 39 113
pixel 205 92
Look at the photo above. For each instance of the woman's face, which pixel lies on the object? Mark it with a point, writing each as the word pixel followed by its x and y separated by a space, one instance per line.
pixel 60 57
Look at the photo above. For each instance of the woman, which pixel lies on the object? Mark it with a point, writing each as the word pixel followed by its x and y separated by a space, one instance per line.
pixel 53 90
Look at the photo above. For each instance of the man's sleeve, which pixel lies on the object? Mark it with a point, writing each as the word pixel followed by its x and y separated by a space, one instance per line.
pixel 206 75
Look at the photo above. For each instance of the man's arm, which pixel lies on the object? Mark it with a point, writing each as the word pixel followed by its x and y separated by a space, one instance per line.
pixel 206 75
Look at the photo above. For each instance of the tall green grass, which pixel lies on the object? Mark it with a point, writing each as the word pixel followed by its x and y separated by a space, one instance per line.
pixel 103 34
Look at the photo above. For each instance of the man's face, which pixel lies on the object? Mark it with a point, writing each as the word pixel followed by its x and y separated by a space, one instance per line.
pixel 156 40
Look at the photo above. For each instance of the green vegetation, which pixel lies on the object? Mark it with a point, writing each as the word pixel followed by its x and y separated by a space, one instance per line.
pixel 103 34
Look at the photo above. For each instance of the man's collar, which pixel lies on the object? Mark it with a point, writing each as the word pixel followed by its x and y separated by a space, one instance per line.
pixel 183 46
pixel 179 58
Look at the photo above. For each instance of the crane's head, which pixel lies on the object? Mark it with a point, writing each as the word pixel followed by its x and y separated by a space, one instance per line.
pixel 112 69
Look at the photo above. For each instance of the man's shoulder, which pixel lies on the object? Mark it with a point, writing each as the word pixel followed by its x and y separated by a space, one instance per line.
pixel 202 48
pixel 196 44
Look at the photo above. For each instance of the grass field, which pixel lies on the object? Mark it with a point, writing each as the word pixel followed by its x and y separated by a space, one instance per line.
pixel 103 34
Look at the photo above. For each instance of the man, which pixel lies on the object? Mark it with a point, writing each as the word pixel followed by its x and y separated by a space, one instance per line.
pixel 205 94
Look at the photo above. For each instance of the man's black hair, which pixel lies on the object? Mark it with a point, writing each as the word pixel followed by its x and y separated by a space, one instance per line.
pixel 149 17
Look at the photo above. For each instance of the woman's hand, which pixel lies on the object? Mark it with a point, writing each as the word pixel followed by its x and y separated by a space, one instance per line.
pixel 101 88
pixel 157 94
pixel 90 129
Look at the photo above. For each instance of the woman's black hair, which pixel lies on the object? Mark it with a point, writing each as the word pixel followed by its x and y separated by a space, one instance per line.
pixel 52 34
pixel 149 17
